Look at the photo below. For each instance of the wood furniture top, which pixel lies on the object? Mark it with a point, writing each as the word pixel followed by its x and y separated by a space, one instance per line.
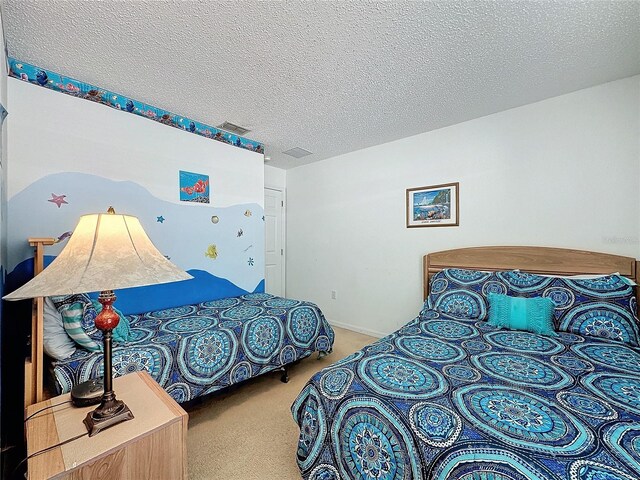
pixel 152 445
pixel 542 260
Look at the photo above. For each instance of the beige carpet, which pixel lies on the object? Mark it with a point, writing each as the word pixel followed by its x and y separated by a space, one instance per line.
pixel 248 433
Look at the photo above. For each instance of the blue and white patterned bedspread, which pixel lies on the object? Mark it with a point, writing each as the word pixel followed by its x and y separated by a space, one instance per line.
pixel 197 349
pixel 446 398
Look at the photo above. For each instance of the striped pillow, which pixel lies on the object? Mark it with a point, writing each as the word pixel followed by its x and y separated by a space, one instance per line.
pixel 77 314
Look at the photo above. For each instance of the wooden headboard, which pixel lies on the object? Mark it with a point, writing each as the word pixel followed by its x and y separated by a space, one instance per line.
pixel 545 260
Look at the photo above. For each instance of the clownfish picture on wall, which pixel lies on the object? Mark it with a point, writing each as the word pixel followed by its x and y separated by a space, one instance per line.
pixel 194 187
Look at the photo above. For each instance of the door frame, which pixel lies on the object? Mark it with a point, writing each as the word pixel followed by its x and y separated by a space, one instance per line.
pixel 283 232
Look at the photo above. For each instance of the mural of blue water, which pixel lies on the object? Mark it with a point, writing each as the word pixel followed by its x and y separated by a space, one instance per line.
pixel 185 232
pixel 201 288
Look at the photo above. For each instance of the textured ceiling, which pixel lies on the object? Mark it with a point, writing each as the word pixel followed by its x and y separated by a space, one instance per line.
pixel 330 77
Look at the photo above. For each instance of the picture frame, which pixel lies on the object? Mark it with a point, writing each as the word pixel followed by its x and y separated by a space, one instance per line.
pixel 194 187
pixel 433 206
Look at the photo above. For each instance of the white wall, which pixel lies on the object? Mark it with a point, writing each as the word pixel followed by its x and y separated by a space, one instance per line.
pixel 563 172
pixel 275 178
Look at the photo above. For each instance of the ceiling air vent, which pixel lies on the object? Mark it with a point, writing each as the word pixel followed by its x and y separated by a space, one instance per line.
pixel 297 152
pixel 233 128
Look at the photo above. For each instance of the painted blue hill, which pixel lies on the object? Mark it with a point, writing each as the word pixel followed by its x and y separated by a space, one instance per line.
pixel 202 287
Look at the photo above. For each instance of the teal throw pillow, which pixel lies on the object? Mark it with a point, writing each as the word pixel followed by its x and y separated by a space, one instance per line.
pixel 518 313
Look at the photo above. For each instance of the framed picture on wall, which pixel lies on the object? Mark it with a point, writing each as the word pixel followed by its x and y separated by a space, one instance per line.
pixel 433 206
pixel 194 187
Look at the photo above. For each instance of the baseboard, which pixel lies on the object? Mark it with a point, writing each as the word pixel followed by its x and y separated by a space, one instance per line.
pixel 355 328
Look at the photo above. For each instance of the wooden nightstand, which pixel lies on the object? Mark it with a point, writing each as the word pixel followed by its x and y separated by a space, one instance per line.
pixel 151 446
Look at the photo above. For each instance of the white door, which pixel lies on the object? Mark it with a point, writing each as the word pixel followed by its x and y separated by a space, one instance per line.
pixel 274 242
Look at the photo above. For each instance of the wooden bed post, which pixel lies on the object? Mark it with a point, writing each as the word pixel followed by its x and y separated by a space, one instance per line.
pixel 34 364
pixel 425 282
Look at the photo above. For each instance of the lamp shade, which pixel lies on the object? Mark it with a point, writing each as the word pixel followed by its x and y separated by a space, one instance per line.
pixel 105 252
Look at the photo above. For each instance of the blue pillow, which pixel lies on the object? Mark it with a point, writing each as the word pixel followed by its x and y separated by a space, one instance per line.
pixel 518 313
pixel 462 293
pixel 602 307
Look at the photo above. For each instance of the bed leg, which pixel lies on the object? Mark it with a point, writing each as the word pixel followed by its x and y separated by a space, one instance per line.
pixel 285 375
pixel 324 354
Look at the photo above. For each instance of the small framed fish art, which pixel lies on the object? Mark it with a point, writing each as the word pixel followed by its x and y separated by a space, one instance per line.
pixel 433 206
pixel 194 187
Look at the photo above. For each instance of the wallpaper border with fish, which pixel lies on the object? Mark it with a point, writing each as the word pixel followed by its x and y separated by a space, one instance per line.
pixel 59 83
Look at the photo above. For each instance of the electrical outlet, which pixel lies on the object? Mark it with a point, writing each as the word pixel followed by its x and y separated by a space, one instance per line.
pixel 334 295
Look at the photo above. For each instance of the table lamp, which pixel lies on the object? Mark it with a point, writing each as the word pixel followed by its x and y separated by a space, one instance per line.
pixel 105 252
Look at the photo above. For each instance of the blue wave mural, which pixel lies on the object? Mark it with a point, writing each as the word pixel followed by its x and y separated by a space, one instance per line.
pixel 222 247
pixel 201 288
pixel 70 86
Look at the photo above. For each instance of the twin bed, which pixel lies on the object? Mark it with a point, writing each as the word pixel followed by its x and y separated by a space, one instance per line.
pixel 194 350
pixel 191 350
pixel 448 396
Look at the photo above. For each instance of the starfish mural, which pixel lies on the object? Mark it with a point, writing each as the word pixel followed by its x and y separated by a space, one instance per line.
pixel 160 219
pixel 57 199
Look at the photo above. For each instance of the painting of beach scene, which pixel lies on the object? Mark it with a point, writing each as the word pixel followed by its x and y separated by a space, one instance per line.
pixel 433 206
pixel 194 187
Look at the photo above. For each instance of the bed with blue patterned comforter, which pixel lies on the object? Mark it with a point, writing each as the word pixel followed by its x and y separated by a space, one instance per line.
pixel 198 349
pixel 447 397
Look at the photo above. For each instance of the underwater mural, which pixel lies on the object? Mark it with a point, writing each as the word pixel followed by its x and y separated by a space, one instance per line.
pixel 70 86
pixel 211 251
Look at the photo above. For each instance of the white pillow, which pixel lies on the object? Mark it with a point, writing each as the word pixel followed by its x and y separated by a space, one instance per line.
pixel 57 344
